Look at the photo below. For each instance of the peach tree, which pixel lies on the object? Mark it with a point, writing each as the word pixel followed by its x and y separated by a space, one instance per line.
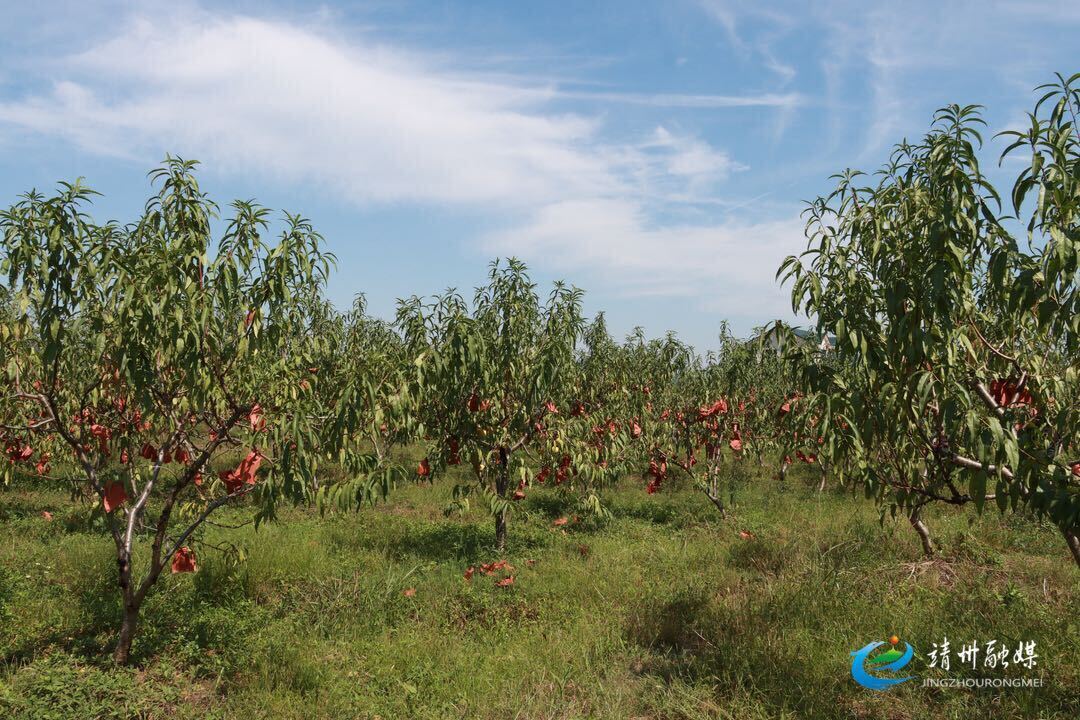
pixel 160 374
pixel 758 382
pixel 358 377
pixel 486 386
pixel 694 429
pixel 684 417
pixel 958 378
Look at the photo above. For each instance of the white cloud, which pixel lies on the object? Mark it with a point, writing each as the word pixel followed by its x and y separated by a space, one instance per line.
pixel 691 157
pixel 380 124
pixel 725 267
pixel 673 167
pixel 266 97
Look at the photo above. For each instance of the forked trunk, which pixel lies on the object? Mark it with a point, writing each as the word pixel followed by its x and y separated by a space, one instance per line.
pixel 715 499
pixel 924 532
pixel 712 491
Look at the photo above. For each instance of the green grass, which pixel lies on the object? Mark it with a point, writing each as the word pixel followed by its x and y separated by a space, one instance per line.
pixel 662 612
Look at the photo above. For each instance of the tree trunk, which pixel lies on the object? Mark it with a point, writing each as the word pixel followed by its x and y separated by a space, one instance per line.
pixel 924 532
pixel 131 608
pixel 500 531
pixel 715 499
pixel 127 633
pixel 502 486
pixel 1074 544
pixel 712 488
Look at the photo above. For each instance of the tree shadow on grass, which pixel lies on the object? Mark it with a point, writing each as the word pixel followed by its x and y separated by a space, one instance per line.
pixel 98 614
pixel 18 507
pixel 694 637
pixel 556 505
pixel 649 510
pixel 203 611
pixel 552 505
pixel 459 541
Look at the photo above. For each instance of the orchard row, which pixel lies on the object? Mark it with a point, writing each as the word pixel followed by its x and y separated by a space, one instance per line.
pixel 161 373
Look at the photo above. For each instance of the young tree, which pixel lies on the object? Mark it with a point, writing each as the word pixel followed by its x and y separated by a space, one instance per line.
pixel 361 367
pixel 960 345
pixel 691 421
pixel 487 384
pixel 693 429
pixel 137 358
pixel 759 383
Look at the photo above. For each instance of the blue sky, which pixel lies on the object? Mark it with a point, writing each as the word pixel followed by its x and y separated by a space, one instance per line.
pixel 655 154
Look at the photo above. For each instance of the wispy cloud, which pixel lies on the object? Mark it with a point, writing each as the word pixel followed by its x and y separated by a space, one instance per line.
pixel 380 124
pixel 705 102
pixel 881 64
pixel 770 26
pixel 373 122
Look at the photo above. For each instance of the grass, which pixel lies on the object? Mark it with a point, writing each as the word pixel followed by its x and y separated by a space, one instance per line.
pixel 665 611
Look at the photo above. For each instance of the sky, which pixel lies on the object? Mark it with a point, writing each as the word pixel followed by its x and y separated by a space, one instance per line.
pixel 655 154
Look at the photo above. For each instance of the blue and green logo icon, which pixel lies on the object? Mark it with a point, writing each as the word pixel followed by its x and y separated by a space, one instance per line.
pixel 890 661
